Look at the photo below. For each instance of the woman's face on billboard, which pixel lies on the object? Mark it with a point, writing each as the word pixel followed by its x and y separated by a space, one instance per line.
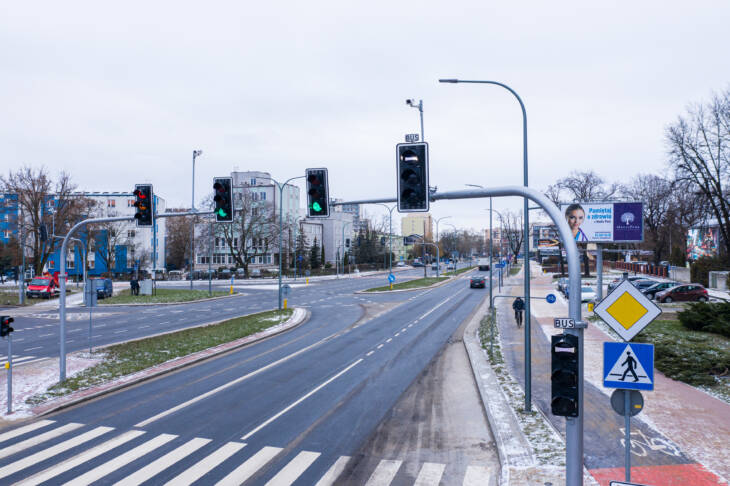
pixel 575 219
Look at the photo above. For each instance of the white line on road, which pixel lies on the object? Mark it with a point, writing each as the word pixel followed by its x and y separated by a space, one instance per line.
pixel 247 469
pixel 38 439
pixel 300 400
pixel 369 353
pixel 477 476
pixel 45 335
pixel 384 473
pixel 33 349
pixel 333 472
pixel 294 469
pixel 24 430
pixel 159 465
pixel 202 467
pixel 121 330
pixel 380 345
pixel 228 385
pixel 430 474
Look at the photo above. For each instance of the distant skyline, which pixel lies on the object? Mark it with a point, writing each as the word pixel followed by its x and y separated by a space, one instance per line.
pixel 118 94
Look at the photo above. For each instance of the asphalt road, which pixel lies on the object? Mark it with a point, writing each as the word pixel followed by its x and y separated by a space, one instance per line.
pixel 292 409
pixel 36 334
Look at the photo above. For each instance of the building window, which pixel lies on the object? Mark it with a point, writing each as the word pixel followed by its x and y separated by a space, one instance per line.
pixel 253 181
pixel 91 264
pixel 69 264
pixel 131 233
pixel 263 196
pixel 130 203
pixel 111 203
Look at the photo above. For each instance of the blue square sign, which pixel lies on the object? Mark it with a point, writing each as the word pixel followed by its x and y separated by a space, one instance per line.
pixel 629 366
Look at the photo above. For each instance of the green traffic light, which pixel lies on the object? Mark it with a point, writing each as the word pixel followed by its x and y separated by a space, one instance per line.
pixel 222 213
pixel 316 206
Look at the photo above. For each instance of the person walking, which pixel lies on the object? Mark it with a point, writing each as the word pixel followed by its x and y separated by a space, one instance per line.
pixel 630 363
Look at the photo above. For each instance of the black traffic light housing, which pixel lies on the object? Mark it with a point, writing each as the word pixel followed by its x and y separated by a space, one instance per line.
pixel 564 376
pixel 317 193
pixel 5 328
pixel 143 203
pixel 223 199
pixel 412 162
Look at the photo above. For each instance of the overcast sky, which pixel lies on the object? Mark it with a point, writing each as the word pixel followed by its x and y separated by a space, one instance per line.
pixel 118 93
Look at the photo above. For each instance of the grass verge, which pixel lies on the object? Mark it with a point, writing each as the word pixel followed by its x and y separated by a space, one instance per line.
pixel 411 284
pixel 127 358
pixel 11 297
pixel 698 358
pixel 548 447
pixel 514 270
pixel 161 296
pixel 459 271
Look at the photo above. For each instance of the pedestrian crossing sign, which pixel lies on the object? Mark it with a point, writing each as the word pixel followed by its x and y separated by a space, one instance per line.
pixel 629 366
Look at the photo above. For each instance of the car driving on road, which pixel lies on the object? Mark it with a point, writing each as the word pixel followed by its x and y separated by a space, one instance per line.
pixel 477 282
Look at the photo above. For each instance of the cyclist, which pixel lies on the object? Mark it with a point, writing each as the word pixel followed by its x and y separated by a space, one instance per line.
pixel 518 305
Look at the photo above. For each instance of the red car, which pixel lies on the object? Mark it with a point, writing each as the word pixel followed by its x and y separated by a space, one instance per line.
pixel 42 287
pixel 684 293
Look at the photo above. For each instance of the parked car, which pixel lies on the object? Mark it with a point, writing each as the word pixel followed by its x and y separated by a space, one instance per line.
pixel 434 266
pixel 587 293
pixel 42 288
pixel 417 264
pixel 644 284
pixel 633 278
pixel 400 264
pixel 477 282
pixel 684 293
pixel 104 287
pixel 658 287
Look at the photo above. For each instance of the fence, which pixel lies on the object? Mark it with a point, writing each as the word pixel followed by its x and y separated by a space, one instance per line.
pixel 645 268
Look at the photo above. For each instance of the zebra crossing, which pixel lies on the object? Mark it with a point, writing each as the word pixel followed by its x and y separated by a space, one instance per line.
pixel 73 453
pixel 17 359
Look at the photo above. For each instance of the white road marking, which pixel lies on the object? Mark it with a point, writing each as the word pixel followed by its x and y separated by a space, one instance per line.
pixel 294 469
pixel 121 331
pixel 436 307
pixel 201 468
pixel 28 461
pixel 25 429
pixel 45 335
pixel 403 330
pixel 121 460
pixel 388 340
pixel 34 348
pixel 333 472
pixel 430 474
pixel 384 473
pixel 162 463
pixel 380 346
pixel 143 327
pixel 477 476
pixel 247 469
pixel 300 400
pixel 229 384
pixel 38 439
pixel 71 463
pixel 369 353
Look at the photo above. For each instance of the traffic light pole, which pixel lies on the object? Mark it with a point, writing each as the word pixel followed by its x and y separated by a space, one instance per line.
pixel 574 425
pixel 281 222
pixel 62 276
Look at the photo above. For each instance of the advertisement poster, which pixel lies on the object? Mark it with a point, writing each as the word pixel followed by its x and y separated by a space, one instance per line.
pixel 605 222
pixel 702 242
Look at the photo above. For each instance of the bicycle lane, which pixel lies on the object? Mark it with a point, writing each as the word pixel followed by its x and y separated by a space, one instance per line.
pixel 656 460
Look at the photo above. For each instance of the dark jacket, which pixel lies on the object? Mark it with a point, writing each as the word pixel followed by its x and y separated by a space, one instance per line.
pixel 518 304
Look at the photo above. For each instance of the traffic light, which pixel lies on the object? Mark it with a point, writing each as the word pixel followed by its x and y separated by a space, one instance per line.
pixel 43 232
pixel 223 199
pixel 5 328
pixel 143 203
pixel 564 376
pixel 412 161
pixel 317 193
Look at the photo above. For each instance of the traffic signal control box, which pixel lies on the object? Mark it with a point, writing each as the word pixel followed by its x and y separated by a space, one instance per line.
pixel 564 376
pixel 143 203
pixel 412 164
pixel 223 199
pixel 317 193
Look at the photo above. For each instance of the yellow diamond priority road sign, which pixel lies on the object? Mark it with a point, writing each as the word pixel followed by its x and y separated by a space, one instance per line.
pixel 627 310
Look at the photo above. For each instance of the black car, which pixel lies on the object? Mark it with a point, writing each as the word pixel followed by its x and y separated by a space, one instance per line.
pixel 631 279
pixel 658 287
pixel 477 282
pixel 644 284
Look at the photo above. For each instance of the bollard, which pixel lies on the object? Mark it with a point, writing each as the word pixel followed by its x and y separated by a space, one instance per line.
pixel 284 303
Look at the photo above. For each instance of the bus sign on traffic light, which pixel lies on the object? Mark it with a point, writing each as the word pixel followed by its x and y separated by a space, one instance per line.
pixel 412 163
pixel 223 199
pixel 143 203
pixel 317 193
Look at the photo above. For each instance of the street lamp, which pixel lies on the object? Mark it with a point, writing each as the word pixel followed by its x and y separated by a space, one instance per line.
pixel 419 106
pixel 390 234
pixel 438 263
pixel 528 370
pixel 196 154
pixel 281 206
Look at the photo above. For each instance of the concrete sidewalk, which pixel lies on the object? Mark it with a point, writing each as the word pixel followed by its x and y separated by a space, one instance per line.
pixel 681 436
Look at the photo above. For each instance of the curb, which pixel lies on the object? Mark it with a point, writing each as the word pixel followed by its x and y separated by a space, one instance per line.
pixel 512 446
pixel 300 316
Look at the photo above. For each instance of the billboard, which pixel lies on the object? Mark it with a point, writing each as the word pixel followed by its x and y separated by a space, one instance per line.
pixel 612 222
pixel 702 242
pixel 547 237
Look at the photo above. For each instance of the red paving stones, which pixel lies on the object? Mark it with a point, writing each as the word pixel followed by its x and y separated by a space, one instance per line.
pixel 670 475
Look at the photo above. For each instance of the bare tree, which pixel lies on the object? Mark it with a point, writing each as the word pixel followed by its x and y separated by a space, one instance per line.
pixel 178 239
pixel 43 202
pixel 513 229
pixel 699 154
pixel 656 194
pixel 583 187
